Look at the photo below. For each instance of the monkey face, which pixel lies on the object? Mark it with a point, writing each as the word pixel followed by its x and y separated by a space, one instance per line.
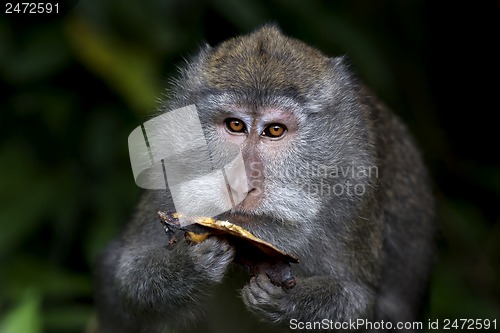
pixel 295 115
pixel 263 136
pixel 269 137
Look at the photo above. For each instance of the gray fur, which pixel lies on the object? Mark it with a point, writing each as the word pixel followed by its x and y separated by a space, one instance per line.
pixel 361 256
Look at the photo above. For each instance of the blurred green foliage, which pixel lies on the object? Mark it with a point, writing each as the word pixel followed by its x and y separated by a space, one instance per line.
pixel 74 85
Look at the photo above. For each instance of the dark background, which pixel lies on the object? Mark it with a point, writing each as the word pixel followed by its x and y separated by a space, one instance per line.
pixel 74 85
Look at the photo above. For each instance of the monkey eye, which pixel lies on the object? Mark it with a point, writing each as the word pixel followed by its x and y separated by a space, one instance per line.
pixel 274 130
pixel 235 125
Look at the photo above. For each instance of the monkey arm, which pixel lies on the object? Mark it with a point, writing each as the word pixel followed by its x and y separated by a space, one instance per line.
pixel 313 299
pixel 142 285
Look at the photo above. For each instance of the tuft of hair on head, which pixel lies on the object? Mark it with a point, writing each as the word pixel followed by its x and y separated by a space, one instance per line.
pixel 265 61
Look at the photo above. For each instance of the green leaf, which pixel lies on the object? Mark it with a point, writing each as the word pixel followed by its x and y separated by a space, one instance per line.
pixel 25 317
pixel 54 282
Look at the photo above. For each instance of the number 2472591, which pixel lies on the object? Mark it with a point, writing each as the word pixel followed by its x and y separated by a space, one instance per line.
pixel 31 8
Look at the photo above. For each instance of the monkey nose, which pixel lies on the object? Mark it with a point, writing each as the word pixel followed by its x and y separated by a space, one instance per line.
pixel 251 199
pixel 253 191
pixel 240 193
pixel 243 191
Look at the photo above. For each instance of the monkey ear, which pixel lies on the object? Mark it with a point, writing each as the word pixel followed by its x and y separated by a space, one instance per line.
pixel 339 61
pixel 205 48
pixel 340 67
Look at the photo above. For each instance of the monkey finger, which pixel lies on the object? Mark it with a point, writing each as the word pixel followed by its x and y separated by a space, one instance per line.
pixel 212 258
pixel 249 299
pixel 257 293
pixel 261 302
pixel 265 284
pixel 264 292
pixel 213 247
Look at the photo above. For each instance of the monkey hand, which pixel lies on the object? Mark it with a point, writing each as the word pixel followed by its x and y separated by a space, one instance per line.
pixel 152 280
pixel 313 299
pixel 265 299
pixel 212 258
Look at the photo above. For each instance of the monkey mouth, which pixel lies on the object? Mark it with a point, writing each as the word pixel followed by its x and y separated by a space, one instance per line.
pixel 239 217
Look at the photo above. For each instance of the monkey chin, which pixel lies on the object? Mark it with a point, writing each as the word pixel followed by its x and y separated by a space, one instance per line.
pixel 241 218
pixel 248 217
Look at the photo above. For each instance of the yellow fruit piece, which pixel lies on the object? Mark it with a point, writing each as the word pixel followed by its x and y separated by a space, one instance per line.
pixel 196 238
